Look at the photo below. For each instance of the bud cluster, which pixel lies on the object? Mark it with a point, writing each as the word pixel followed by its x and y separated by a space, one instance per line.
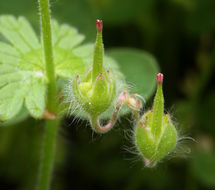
pixel 155 134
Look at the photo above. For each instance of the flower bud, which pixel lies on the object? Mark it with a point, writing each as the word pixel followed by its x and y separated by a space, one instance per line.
pixel 97 90
pixel 156 135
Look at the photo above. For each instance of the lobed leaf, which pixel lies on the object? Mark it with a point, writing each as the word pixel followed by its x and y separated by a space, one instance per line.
pixel 15 86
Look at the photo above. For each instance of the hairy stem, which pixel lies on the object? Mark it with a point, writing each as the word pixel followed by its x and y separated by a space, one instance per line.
pixel 95 119
pixel 103 129
pixel 48 53
pixel 136 115
pixel 52 104
pixel 47 159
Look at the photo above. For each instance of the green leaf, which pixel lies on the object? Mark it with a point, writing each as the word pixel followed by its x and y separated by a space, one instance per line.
pixel 68 64
pixel 11 99
pixel 139 68
pixel 19 33
pixel 22 70
pixel 15 86
pixel 8 54
pixel 35 100
pixel 65 37
pixel 21 116
pixel 9 74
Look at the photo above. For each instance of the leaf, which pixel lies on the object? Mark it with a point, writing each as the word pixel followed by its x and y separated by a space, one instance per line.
pixel 14 87
pixel 22 64
pixel 68 65
pixel 139 68
pixel 84 51
pixel 19 33
pixel 8 54
pixel 35 100
pixel 33 61
pixel 64 36
pixel 8 75
pixel 11 100
pixel 21 116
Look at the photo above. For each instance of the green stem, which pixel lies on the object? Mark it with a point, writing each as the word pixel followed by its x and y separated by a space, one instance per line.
pixel 51 127
pixel 48 154
pixel 136 115
pixel 104 129
pixel 95 122
pixel 48 53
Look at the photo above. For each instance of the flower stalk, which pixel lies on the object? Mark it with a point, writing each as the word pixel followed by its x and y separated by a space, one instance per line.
pixel 104 129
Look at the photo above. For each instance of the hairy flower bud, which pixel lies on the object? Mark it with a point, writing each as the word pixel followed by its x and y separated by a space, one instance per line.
pixel 97 90
pixel 156 135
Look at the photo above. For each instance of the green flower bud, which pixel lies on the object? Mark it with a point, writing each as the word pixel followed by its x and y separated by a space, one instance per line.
pixel 156 135
pixel 96 92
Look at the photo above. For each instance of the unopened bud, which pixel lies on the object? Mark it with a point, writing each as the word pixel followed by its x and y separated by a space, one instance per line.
pixel 156 135
pixel 96 92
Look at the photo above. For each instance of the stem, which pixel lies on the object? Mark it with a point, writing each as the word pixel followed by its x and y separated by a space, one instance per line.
pixel 95 119
pixel 48 154
pixel 48 53
pixel 103 129
pixel 51 127
pixel 136 115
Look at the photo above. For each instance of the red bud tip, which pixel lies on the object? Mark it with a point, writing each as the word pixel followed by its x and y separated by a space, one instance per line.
pixel 159 78
pixel 99 25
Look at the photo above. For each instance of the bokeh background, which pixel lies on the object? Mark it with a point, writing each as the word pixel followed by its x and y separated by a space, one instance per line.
pixel 181 36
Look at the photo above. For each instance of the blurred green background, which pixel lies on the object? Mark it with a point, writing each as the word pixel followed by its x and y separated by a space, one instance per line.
pixel 181 36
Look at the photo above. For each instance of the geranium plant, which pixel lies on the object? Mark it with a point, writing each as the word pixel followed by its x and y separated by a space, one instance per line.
pixel 31 75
